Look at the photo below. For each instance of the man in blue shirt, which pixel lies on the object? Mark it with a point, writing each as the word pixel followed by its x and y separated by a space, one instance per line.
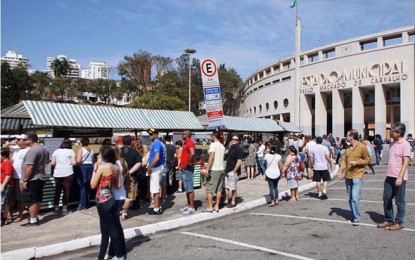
pixel 155 167
pixel 378 144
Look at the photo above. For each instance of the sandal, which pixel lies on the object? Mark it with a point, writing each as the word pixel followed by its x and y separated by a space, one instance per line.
pixel 207 210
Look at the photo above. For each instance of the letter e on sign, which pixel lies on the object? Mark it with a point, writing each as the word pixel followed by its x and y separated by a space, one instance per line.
pixel 209 72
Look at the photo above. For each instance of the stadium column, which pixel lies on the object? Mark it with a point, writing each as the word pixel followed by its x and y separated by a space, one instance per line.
pixel 338 113
pixel 306 116
pixel 380 110
pixel 407 103
pixel 320 114
pixel 358 110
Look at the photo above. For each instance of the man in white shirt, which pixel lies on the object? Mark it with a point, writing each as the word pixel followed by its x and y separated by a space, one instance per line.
pixel 320 158
pixel 19 152
pixel 215 172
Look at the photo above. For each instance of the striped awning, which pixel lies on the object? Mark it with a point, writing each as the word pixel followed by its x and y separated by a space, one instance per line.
pixel 88 116
pixel 289 127
pixel 244 124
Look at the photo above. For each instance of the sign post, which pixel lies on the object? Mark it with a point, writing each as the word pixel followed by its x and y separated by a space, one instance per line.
pixel 212 93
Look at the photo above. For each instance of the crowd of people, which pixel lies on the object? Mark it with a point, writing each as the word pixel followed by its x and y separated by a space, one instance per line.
pixel 133 173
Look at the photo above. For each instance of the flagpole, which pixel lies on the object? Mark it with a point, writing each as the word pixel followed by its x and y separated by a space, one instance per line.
pixel 297 66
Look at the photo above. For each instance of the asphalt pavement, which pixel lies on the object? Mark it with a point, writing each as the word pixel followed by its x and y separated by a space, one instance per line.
pixel 308 229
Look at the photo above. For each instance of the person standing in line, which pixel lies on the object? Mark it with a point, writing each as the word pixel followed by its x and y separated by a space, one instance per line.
pixel 34 177
pixel 260 156
pixel 273 173
pixel 133 158
pixel 6 185
pixel 354 161
pixel 85 160
pixel 154 170
pixel 250 160
pixel 292 172
pixel 186 168
pixel 19 153
pixel 169 169
pixel 179 148
pixel 378 144
pixel 370 150
pixel 320 159
pixel 311 143
pixel 233 170
pixel 63 159
pixel 396 178
pixel 215 172
pixel 104 179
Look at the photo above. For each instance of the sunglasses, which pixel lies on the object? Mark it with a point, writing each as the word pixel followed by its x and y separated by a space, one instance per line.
pixel 235 139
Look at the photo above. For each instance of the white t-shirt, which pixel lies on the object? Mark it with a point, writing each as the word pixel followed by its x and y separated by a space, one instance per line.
pixel 319 155
pixel 17 159
pixel 219 150
pixel 120 194
pixel 261 150
pixel 63 158
pixel 272 171
pixel 310 145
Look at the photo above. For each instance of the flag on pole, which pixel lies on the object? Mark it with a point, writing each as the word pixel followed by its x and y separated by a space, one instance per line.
pixel 293 3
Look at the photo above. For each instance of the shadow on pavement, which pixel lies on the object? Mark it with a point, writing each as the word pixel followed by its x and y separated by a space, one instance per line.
pixel 375 217
pixel 311 195
pixel 346 214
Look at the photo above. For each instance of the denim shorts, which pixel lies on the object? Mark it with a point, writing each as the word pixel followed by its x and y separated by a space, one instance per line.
pixel 187 178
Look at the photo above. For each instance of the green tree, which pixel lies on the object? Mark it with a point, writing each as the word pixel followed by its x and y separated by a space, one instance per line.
pixel 158 100
pixel 60 87
pixel 10 92
pixel 231 84
pixel 60 67
pixel 40 85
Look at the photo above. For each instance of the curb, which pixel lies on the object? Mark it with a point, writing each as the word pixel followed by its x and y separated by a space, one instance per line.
pixel 58 248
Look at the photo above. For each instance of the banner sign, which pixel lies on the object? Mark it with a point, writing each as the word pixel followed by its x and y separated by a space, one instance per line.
pixel 212 93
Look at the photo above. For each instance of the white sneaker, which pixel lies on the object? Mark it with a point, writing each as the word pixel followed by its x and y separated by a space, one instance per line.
pixel 189 211
pixel 182 210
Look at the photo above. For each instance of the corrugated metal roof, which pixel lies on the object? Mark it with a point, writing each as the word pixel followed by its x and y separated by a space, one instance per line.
pixel 13 125
pixel 245 124
pixel 290 127
pixel 88 116
pixel 15 111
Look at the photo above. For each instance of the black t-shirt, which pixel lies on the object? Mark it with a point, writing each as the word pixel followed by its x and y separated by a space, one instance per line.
pixel 131 156
pixel 235 152
pixel 170 150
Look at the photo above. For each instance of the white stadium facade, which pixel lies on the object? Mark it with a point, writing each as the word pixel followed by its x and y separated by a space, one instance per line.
pixel 365 83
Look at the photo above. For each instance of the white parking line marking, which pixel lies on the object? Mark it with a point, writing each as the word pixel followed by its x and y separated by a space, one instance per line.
pixel 383 181
pixel 320 219
pixel 366 201
pixel 259 248
pixel 363 188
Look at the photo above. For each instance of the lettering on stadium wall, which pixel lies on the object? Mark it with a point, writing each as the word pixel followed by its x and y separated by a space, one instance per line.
pixel 379 73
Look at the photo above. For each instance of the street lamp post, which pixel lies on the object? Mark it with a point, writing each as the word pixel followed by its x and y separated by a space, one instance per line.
pixel 189 52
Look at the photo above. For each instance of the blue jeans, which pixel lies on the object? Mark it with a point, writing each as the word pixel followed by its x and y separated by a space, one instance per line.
pixel 109 221
pixel 83 180
pixel 261 164
pixel 390 191
pixel 187 178
pixel 378 159
pixel 273 188
pixel 353 188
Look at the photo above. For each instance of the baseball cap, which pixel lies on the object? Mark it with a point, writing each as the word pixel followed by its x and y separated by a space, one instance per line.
pixel 151 131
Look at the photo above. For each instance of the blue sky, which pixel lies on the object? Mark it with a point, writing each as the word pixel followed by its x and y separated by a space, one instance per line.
pixel 243 34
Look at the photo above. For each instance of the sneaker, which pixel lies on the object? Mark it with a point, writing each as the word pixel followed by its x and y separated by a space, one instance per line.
pixel 28 224
pixel 56 212
pixel 189 211
pixel 153 212
pixel 179 191
pixel 356 223
pixel 182 210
